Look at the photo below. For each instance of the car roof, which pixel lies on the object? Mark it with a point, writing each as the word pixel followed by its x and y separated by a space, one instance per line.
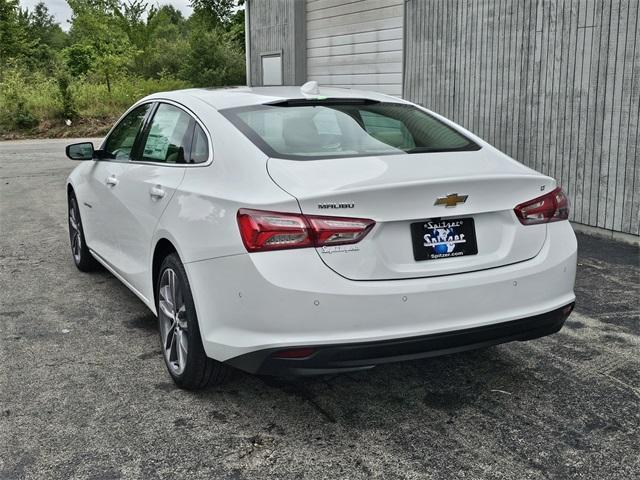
pixel 221 98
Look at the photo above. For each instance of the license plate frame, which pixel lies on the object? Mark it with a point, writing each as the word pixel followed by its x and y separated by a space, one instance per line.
pixel 437 239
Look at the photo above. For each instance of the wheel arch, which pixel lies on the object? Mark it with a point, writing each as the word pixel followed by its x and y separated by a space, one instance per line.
pixel 164 246
pixel 162 249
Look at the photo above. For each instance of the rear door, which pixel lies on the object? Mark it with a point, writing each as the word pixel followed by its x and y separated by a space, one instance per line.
pixel 148 184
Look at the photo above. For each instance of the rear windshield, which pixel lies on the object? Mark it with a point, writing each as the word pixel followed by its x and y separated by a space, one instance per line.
pixel 311 130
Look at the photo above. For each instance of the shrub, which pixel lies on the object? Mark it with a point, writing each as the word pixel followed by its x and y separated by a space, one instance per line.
pixel 14 110
pixel 23 118
pixel 166 57
pixel 94 100
pixel 79 58
pixel 213 60
pixel 68 110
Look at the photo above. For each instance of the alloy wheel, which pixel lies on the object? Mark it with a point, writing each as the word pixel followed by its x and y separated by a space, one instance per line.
pixel 173 322
pixel 74 232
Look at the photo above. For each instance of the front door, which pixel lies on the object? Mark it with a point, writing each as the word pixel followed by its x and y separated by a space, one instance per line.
pixel 99 204
pixel 102 210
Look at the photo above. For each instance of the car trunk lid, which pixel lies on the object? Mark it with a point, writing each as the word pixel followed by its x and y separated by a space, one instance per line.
pixel 400 190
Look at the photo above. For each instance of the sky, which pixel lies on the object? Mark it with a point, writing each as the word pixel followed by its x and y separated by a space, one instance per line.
pixel 61 11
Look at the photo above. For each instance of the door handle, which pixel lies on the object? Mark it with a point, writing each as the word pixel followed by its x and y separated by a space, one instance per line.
pixel 112 181
pixel 156 192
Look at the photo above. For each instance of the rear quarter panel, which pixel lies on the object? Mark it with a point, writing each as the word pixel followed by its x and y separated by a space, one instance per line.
pixel 201 217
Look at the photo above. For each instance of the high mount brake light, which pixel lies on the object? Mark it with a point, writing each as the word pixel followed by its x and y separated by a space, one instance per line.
pixel 262 230
pixel 551 207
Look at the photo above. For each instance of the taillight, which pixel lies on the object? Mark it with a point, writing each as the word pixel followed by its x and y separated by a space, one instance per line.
pixel 272 231
pixel 551 207
pixel 261 230
pixel 329 231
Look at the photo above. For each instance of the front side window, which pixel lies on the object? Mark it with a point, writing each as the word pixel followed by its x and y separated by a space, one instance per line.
pixel 119 145
pixel 316 129
pixel 169 136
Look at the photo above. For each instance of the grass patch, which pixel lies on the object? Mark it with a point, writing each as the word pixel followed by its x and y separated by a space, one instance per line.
pixel 35 105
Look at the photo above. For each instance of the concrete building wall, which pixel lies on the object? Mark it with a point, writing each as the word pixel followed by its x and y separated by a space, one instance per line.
pixel 355 44
pixel 553 83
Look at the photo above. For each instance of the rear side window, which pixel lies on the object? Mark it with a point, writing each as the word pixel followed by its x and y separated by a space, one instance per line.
pixel 199 146
pixel 120 143
pixel 169 136
pixel 316 129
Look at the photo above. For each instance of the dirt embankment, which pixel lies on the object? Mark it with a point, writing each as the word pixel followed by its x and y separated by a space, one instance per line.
pixel 86 127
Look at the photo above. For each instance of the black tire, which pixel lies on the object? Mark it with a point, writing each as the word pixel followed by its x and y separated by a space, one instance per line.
pixel 198 371
pixel 79 250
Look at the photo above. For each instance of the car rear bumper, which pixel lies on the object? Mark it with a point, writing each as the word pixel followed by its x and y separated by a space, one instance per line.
pixel 273 300
pixel 358 356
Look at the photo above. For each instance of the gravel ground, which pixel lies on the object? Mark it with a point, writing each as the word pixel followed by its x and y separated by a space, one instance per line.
pixel 84 392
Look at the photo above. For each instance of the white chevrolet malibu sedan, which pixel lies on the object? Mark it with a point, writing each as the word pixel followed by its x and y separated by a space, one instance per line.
pixel 289 231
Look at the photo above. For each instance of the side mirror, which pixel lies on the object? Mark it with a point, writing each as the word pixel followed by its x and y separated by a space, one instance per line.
pixel 80 151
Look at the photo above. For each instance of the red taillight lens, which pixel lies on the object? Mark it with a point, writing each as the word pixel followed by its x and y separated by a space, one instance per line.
pixel 263 231
pixel 329 231
pixel 272 231
pixel 552 207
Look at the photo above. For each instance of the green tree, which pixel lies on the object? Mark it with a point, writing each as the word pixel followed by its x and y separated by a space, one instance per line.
pixel 235 29
pixel 217 12
pixel 131 46
pixel 213 59
pixel 166 57
pixel 130 17
pixel 14 38
pixel 165 15
pixel 94 23
pixel 168 43
pixel 79 58
pixel 48 36
pixel 44 28
pixel 220 14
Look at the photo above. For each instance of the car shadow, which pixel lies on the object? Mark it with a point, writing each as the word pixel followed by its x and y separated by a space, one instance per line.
pixel 388 393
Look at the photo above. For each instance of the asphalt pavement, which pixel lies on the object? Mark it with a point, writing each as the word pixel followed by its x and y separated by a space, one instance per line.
pixel 84 392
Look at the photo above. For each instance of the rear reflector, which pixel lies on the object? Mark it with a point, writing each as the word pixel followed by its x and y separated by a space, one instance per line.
pixel 295 353
pixel 552 207
pixel 263 231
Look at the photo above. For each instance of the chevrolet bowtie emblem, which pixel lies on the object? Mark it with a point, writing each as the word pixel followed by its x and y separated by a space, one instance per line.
pixel 451 200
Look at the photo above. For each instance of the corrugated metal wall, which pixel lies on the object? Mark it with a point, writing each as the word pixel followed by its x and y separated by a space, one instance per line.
pixel 355 44
pixel 553 83
pixel 276 26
